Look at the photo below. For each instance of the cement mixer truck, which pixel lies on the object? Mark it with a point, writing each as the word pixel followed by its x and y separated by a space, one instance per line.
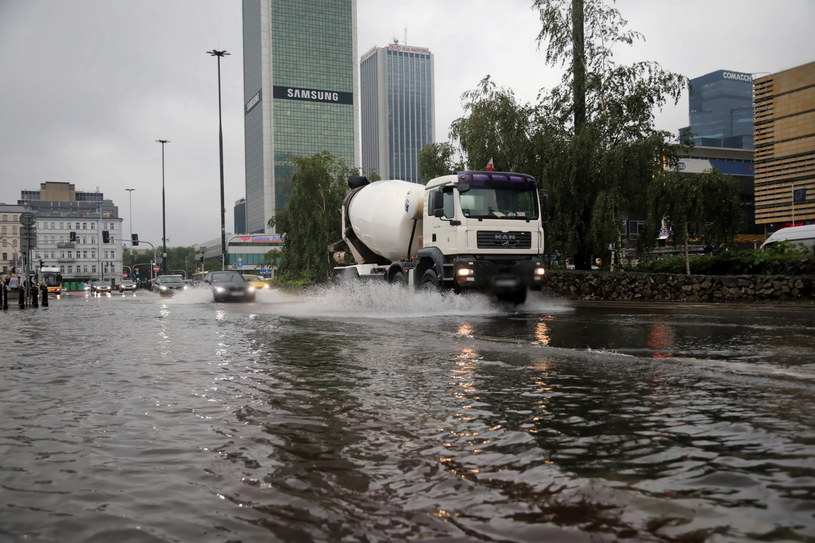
pixel 473 231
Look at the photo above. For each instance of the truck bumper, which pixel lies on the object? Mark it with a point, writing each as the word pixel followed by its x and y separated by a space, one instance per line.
pixel 498 276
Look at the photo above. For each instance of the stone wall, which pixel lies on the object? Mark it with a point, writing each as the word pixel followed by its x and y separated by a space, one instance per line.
pixel 600 285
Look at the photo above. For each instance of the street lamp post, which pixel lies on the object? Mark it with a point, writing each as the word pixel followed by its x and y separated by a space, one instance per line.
pixel 163 213
pixel 219 55
pixel 132 257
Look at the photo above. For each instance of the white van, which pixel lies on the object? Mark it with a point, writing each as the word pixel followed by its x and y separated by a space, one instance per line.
pixel 804 235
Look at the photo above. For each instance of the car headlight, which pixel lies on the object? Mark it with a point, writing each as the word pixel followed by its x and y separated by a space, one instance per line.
pixel 250 289
pixel 218 289
pixel 162 288
pixel 539 271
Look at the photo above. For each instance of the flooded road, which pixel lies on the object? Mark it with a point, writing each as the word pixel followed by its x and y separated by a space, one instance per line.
pixel 371 414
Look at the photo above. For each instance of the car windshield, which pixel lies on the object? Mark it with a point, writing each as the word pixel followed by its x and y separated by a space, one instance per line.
pixel 171 279
pixel 226 277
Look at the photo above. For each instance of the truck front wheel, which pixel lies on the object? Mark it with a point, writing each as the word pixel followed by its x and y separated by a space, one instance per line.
pixel 399 278
pixel 430 281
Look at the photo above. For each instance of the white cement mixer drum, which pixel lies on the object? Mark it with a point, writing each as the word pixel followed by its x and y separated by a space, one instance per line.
pixel 382 215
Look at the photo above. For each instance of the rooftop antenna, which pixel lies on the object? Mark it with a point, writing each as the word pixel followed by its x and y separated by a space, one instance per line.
pixel 405 35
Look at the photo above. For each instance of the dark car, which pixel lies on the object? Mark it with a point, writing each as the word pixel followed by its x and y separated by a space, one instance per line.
pixel 229 286
pixel 166 285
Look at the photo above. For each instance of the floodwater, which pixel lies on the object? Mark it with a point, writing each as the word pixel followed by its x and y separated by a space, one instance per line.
pixel 371 414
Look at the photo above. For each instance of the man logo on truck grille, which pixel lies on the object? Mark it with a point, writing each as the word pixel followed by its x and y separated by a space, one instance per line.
pixel 505 240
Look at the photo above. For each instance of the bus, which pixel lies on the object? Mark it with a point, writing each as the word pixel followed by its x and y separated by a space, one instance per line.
pixel 51 277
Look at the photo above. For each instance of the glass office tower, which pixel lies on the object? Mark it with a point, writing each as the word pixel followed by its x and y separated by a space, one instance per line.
pixel 397 109
pixel 721 109
pixel 300 87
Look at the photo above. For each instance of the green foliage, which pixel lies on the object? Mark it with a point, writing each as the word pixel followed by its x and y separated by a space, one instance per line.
pixel 311 220
pixel 437 159
pixel 706 205
pixel 495 127
pixel 755 261
pixel 591 140
pixel 179 259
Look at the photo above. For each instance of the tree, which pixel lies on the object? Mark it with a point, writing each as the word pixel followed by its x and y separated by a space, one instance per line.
pixel 596 129
pixel 437 159
pixel 706 206
pixel 311 220
pixel 495 127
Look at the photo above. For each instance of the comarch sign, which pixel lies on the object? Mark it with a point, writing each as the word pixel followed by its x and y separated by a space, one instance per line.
pixel 738 76
pixel 313 95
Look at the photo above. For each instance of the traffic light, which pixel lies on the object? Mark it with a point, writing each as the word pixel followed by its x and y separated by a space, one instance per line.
pixel 105 236
pixel 134 239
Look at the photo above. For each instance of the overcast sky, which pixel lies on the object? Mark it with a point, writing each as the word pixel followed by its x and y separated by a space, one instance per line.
pixel 87 86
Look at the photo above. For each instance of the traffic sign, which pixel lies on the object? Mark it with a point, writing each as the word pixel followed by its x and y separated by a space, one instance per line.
pixel 156 268
pixel 27 219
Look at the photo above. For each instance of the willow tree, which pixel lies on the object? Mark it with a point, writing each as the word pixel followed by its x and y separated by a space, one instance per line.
pixel 437 159
pixel 706 206
pixel 311 219
pixel 595 131
pixel 495 126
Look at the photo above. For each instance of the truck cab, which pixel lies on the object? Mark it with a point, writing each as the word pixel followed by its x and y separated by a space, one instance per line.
pixel 482 231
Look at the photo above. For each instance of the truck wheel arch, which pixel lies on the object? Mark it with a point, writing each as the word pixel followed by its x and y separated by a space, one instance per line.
pixel 430 258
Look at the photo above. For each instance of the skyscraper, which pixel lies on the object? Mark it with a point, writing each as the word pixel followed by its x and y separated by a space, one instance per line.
pixel 300 83
pixel 721 109
pixel 397 105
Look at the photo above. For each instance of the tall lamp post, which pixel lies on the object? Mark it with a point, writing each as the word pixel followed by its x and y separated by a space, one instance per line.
pixel 219 55
pixel 163 213
pixel 132 257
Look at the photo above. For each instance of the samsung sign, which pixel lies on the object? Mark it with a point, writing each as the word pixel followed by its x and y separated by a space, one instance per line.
pixel 253 101
pixel 313 95
pixel 738 76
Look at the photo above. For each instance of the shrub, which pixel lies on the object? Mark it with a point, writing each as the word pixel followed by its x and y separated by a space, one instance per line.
pixel 751 262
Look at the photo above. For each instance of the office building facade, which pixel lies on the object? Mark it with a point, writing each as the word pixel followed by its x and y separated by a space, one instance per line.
pixel 721 109
pixel 397 109
pixel 300 94
pixel 785 147
pixel 10 246
pixel 78 232
pixel 239 213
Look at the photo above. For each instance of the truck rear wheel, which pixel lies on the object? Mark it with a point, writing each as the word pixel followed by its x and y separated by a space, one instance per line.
pixel 430 281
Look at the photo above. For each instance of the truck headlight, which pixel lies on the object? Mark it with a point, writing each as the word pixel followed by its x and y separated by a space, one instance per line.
pixel 539 272
pixel 465 274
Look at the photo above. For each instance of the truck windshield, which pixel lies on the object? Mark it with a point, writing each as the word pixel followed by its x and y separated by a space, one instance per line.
pixel 502 202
